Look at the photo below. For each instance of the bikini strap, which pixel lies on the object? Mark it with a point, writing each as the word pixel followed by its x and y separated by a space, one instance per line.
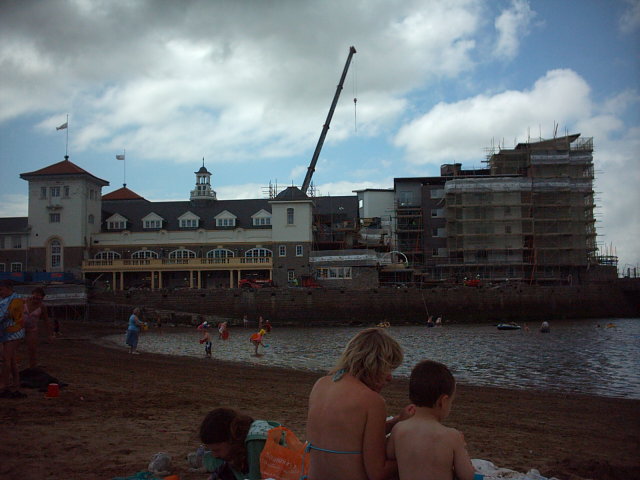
pixel 339 374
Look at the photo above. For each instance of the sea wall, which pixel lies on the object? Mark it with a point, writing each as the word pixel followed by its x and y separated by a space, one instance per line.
pixel 302 306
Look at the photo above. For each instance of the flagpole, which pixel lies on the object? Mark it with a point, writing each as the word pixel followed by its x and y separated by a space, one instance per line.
pixel 66 147
pixel 124 166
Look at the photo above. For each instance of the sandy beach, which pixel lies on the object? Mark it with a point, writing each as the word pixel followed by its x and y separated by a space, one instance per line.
pixel 120 409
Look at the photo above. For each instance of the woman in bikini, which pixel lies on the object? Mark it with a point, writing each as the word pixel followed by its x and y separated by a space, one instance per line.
pixel 346 425
pixel 34 311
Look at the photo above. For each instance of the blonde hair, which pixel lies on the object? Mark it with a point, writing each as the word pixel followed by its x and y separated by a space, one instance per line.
pixel 369 356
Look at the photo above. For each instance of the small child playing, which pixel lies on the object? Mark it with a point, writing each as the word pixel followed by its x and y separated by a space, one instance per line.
pixel 206 339
pixel 422 446
pixel 256 339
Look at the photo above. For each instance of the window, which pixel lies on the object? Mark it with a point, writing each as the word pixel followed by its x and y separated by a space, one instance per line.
pixel 54 191
pixel 260 221
pixel 65 191
pixel 361 203
pixel 258 252
pixel 107 255
pixel 116 225
pixel 16 241
pixel 334 273
pixel 282 250
pixel 220 253
pixel 43 192
pixel 153 224
pixel 291 275
pixel 289 216
pixel 225 222
pixel 54 218
pixel 507 211
pixel 91 219
pixel 434 252
pixel 56 254
pixel 188 223
pixel 182 253
pixel 405 198
pixel 439 193
pixel 144 254
pixel 507 229
pixel 2 267
pixel 1 241
pixel 299 251
pixel 16 267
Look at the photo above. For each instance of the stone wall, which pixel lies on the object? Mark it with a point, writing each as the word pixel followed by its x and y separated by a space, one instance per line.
pixel 406 305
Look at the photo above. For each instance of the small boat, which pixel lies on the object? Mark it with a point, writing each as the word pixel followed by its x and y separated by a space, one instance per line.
pixel 508 326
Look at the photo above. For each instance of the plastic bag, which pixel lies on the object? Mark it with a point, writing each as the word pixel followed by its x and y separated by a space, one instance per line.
pixel 283 455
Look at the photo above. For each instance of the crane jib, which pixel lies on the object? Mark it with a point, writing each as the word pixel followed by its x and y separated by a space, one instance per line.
pixel 325 128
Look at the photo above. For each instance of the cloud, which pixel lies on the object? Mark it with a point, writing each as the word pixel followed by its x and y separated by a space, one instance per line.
pixel 630 19
pixel 182 80
pixel 14 205
pixel 511 25
pixel 457 132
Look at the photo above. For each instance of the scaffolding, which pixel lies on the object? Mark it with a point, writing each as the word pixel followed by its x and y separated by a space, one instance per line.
pixel 531 219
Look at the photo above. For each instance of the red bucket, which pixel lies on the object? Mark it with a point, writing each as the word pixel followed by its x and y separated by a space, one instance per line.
pixel 53 390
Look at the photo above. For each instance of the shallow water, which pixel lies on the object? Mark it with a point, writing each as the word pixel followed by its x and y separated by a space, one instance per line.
pixel 575 357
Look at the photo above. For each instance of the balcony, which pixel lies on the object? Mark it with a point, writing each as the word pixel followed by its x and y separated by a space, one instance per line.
pixel 176 264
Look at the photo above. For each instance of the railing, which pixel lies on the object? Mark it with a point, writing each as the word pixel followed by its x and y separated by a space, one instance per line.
pixel 159 264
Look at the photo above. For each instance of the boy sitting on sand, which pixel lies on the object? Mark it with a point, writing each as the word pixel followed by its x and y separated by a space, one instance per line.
pixel 422 446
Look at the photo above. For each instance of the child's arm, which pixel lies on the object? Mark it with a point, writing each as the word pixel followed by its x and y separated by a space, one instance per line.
pixel 462 466
pixel 391 448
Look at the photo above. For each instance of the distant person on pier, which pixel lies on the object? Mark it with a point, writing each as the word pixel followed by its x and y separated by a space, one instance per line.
pixel 34 311
pixel 245 321
pixel 267 326
pixel 439 322
pixel 346 424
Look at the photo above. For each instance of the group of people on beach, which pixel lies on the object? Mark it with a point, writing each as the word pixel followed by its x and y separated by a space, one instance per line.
pixel 19 320
pixel 349 435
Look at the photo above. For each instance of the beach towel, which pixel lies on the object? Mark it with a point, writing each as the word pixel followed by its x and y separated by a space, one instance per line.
pixel 38 378
pixel 491 472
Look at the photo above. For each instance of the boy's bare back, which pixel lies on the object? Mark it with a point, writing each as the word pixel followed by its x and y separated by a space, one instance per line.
pixel 426 449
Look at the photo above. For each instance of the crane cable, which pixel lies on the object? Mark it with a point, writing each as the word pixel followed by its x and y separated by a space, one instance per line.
pixel 355 95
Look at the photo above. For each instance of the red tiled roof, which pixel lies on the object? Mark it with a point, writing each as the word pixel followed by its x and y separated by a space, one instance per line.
pixel 64 167
pixel 122 194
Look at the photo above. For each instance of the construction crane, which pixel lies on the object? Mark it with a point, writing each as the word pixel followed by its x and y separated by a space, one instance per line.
pixel 325 128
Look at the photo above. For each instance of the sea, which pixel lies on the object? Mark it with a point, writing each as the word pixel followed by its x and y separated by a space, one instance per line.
pixel 593 357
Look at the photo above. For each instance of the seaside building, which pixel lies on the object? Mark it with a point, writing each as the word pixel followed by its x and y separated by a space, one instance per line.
pixel 528 216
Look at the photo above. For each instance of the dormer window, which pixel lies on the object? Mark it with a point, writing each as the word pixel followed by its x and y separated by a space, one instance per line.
pixel 225 219
pixel 261 219
pixel 153 224
pixel 116 222
pixel 188 220
pixel 152 221
pixel 116 225
pixel 226 222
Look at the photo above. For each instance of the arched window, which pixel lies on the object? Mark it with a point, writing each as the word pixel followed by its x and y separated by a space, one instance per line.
pixel 56 254
pixel 144 254
pixel 91 219
pixel 258 252
pixel 220 253
pixel 107 255
pixel 182 253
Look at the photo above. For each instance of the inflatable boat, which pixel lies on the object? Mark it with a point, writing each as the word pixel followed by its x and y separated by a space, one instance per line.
pixel 508 326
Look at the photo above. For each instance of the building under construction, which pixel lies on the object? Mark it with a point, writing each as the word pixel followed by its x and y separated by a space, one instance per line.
pixel 528 216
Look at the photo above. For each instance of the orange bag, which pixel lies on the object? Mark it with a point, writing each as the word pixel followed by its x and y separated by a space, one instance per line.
pixel 283 455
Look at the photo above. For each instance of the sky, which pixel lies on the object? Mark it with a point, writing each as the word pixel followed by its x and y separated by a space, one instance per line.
pixel 247 86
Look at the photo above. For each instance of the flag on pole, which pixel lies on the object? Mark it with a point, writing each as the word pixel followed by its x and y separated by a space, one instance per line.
pixel 119 157
pixel 63 126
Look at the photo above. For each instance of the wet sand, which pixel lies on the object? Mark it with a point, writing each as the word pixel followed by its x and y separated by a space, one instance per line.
pixel 120 409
